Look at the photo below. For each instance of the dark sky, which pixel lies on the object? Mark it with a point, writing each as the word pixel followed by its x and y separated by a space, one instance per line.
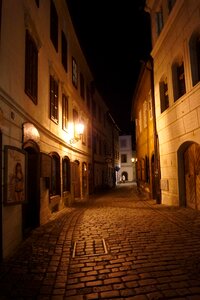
pixel 115 37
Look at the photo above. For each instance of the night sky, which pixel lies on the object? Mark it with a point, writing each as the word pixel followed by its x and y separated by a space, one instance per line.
pixel 115 38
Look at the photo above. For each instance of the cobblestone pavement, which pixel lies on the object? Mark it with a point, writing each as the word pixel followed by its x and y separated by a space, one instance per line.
pixel 120 246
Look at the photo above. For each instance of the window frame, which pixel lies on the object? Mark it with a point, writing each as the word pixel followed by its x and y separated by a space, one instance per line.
pixel 74 73
pixel 31 68
pixel 164 95
pixel 54 99
pixel 54 25
pixel 65 112
pixel 64 51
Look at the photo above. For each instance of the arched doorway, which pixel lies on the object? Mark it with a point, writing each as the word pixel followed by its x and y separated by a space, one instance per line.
pixel 192 176
pixel 31 208
pixel 125 176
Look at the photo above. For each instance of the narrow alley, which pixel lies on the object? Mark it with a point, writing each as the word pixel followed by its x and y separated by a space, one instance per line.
pixel 119 246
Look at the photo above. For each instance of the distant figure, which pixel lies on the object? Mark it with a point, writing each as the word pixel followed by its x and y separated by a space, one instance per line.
pixel 123 178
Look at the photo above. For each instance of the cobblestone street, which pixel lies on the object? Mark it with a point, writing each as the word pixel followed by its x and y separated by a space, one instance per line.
pixel 119 246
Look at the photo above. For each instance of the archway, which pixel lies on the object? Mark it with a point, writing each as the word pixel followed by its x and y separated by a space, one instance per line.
pixel 125 176
pixel 31 208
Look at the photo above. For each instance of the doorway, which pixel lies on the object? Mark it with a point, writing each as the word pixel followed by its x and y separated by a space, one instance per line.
pixel 31 208
pixel 192 176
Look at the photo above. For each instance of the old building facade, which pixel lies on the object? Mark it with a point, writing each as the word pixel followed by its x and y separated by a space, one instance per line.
pixel 143 112
pixel 175 50
pixel 47 96
pixel 126 171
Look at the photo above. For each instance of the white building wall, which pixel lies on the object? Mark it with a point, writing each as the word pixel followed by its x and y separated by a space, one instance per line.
pixel 181 121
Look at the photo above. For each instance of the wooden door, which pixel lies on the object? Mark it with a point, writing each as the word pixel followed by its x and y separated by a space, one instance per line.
pixel 76 179
pixel 192 176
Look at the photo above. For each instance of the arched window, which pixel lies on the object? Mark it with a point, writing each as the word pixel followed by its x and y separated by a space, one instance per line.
pixel 178 75
pixel 55 174
pixel 164 96
pixel 66 174
pixel 194 47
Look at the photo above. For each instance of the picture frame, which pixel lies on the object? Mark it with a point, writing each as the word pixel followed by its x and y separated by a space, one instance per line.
pixel 15 162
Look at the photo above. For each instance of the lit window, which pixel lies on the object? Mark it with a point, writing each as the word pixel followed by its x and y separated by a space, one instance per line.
pixel 31 68
pixel 53 99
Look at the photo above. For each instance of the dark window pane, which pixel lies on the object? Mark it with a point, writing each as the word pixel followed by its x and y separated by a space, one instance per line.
pixel 64 51
pixel 54 25
pixel 31 68
pixel 53 99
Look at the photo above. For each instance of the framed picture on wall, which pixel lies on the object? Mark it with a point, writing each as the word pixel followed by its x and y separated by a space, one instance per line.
pixel 14 175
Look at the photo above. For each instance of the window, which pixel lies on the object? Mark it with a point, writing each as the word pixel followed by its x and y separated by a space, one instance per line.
pixel 74 73
pixel 66 174
pixel 123 158
pixel 150 106
pixel 88 97
pixel 145 114
pixel 171 4
pixel 164 98
pixel 54 25
pixel 53 99
pixel 31 68
pixel 64 111
pixel 178 80
pixel 194 46
pixel 64 51
pixel 75 121
pixel 37 2
pixel 55 175
pixel 82 86
pixel 84 136
pixel 159 21
pixel 123 143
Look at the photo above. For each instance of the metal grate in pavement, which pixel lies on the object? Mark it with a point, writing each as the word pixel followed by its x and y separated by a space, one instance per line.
pixel 89 248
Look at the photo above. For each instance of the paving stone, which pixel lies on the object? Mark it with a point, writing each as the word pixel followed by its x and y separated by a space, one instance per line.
pixel 153 253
